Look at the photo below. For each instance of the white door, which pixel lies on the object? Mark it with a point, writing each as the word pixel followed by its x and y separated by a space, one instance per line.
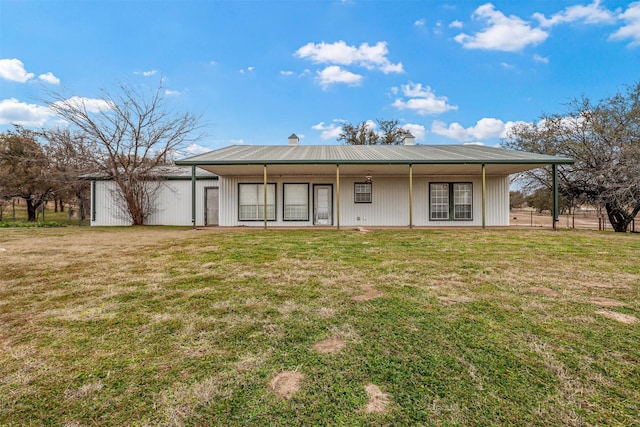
pixel 322 204
pixel 211 203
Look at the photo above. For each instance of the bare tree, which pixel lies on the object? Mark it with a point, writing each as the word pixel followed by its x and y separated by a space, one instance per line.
pixel 604 139
pixel 70 157
pixel 129 133
pixel 364 133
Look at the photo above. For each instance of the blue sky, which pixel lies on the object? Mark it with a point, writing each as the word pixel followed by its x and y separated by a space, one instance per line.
pixel 451 72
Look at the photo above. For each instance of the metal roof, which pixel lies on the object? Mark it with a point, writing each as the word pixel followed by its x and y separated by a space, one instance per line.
pixel 368 154
pixel 168 172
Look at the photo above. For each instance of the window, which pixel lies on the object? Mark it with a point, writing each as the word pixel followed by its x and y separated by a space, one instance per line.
pixel 439 201
pixel 462 201
pixel 251 202
pixel 362 191
pixel 451 201
pixel 296 202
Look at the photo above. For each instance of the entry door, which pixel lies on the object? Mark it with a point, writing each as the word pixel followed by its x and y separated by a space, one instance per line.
pixel 322 204
pixel 211 202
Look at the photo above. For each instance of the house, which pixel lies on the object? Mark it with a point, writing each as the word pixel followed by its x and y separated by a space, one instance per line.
pixel 173 204
pixel 348 185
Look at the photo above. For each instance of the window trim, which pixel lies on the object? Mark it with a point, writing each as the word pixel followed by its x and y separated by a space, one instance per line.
pixel 451 201
pixel 355 192
pixel 275 202
pixel 284 195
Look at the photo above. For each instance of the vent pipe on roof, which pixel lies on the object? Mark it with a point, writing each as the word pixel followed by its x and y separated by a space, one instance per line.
pixel 293 139
pixel 409 140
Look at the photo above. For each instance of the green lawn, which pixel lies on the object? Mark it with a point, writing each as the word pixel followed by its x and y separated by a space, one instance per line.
pixel 171 326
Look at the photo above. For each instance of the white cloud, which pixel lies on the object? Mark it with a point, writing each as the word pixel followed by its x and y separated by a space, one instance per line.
pixel 13 111
pixel 237 141
pixel 541 59
pixel 437 30
pixel 13 70
pixel 456 24
pixel 503 33
pixel 485 128
pixel 631 29
pixel 420 23
pixel 170 92
pixel 148 73
pixel 334 74
pixel 248 69
pixel 422 100
pixel 49 78
pixel 330 131
pixel 194 149
pixel 92 105
pixel 286 73
pixel 416 130
pixel 339 53
pixel 592 13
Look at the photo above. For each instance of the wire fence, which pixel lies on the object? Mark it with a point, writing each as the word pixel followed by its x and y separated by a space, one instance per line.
pixel 584 219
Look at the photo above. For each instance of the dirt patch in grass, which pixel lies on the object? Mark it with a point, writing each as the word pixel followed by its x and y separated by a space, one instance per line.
pixel 286 384
pixel 606 302
pixel 620 317
pixel 369 294
pixel 377 400
pixel 544 291
pixel 329 345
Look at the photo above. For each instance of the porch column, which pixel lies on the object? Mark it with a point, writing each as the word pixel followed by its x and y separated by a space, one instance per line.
pixel 410 196
pixel 555 194
pixel 93 202
pixel 193 196
pixel 338 196
pixel 484 196
pixel 264 211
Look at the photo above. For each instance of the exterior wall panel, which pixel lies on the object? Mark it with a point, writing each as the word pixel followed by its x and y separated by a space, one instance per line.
pixel 173 206
pixel 390 201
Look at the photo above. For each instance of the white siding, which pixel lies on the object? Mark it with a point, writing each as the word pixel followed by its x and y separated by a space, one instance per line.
pixel 390 205
pixel 173 206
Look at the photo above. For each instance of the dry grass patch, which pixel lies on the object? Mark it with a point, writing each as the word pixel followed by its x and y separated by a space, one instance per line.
pixel 286 384
pixel 329 345
pixel 620 317
pixel 606 302
pixel 377 400
pixel 369 294
pixel 544 291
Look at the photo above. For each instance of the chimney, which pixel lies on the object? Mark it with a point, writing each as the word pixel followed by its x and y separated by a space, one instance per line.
pixel 409 140
pixel 293 139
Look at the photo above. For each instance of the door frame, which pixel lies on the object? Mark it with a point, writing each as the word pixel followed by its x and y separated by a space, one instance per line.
pixel 206 206
pixel 331 211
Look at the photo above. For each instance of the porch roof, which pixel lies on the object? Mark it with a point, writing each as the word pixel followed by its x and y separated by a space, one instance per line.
pixel 245 159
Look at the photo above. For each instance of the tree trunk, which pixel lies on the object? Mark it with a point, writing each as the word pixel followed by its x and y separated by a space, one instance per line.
pixel 32 209
pixel 619 219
